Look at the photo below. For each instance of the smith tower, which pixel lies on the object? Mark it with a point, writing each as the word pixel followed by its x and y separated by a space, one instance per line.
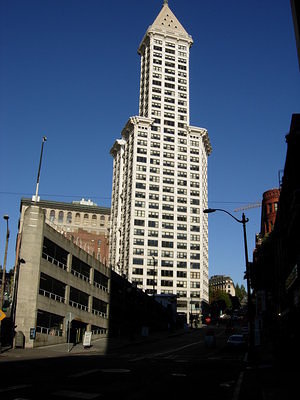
pixel 159 234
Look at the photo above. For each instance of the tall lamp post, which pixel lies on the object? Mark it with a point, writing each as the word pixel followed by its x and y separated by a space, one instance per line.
pixel 243 221
pixel 154 264
pixel 6 217
pixel 35 198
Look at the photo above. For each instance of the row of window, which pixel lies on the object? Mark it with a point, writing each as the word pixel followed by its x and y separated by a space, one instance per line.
pixel 166 272
pixel 87 218
pixel 167 263
pixel 168 207
pixel 182 200
pixel 171 172
pixel 170 283
pixel 181 157
pixel 165 244
pixel 164 235
pixel 169 44
pixel 170 164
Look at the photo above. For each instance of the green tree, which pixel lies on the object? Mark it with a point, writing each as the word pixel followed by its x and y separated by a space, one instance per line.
pixel 240 292
pixel 219 302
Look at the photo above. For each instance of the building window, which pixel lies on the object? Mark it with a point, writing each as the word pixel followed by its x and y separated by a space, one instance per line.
pixel 69 218
pixel 138 261
pixel 77 218
pixel 60 217
pixel 52 215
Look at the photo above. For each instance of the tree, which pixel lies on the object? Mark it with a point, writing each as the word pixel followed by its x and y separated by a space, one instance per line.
pixel 240 292
pixel 219 302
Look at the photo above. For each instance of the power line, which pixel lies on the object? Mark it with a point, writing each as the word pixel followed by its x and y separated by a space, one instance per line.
pixel 108 198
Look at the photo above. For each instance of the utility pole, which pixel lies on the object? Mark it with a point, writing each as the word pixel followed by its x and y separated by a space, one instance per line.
pixel 6 217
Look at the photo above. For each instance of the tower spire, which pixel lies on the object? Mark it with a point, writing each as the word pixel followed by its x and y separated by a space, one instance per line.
pixel 165 2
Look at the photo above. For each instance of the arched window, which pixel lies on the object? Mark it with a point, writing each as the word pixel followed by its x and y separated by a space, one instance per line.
pixel 86 219
pixel 69 217
pixel 52 215
pixel 102 219
pixel 94 219
pixel 77 218
pixel 60 217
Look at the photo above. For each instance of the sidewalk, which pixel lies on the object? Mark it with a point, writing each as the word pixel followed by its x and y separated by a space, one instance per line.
pixel 268 378
pixel 102 346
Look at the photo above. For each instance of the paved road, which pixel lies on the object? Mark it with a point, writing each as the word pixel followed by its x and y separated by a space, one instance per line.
pixel 177 366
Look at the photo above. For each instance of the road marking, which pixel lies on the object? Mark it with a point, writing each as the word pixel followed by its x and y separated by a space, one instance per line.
pixel 76 395
pixel 163 353
pixel 115 370
pixel 237 389
pixel 84 373
pixel 14 388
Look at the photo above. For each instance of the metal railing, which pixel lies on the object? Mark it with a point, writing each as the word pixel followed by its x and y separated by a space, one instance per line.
pixel 54 261
pixel 49 331
pixel 79 275
pixel 53 296
pixel 79 306
pixel 98 285
pixel 99 313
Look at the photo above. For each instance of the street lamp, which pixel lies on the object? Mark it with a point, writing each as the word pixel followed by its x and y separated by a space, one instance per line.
pixel 154 264
pixel 35 198
pixel 243 221
pixel 6 217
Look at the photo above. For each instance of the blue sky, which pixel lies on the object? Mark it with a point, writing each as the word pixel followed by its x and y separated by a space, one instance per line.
pixel 69 69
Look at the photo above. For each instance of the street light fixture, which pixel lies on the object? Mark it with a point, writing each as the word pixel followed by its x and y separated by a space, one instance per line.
pixel 35 198
pixel 243 221
pixel 6 217
pixel 154 264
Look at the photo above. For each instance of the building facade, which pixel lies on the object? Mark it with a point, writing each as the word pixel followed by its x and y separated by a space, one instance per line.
pixel 222 283
pixel 159 234
pixel 269 210
pixel 83 222
pixel 56 283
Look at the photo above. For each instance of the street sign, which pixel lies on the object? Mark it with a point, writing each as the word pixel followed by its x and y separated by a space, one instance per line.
pixel 87 339
pixel 69 317
pixel 2 315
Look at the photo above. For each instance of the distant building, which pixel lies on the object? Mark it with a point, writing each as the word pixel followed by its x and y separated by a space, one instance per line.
pixel 83 222
pixel 223 283
pixel 269 208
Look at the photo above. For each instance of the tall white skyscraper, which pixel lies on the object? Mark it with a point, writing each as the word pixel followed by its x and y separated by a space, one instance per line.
pixel 159 234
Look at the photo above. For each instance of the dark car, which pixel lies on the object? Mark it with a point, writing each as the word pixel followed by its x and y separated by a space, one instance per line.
pixel 237 341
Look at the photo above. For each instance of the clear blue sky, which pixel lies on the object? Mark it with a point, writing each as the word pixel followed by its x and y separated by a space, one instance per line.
pixel 69 69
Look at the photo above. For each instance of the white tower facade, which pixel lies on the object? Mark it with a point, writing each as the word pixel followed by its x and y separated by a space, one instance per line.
pixel 159 234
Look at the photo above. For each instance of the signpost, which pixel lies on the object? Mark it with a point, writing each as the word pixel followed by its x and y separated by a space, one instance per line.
pixel 2 315
pixel 69 319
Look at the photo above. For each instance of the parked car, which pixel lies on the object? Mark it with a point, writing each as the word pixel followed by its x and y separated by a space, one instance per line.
pixel 237 341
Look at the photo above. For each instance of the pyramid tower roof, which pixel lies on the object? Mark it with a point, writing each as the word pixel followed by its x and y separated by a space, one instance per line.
pixel 167 23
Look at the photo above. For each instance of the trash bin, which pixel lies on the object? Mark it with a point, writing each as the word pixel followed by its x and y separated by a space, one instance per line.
pixel 19 339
